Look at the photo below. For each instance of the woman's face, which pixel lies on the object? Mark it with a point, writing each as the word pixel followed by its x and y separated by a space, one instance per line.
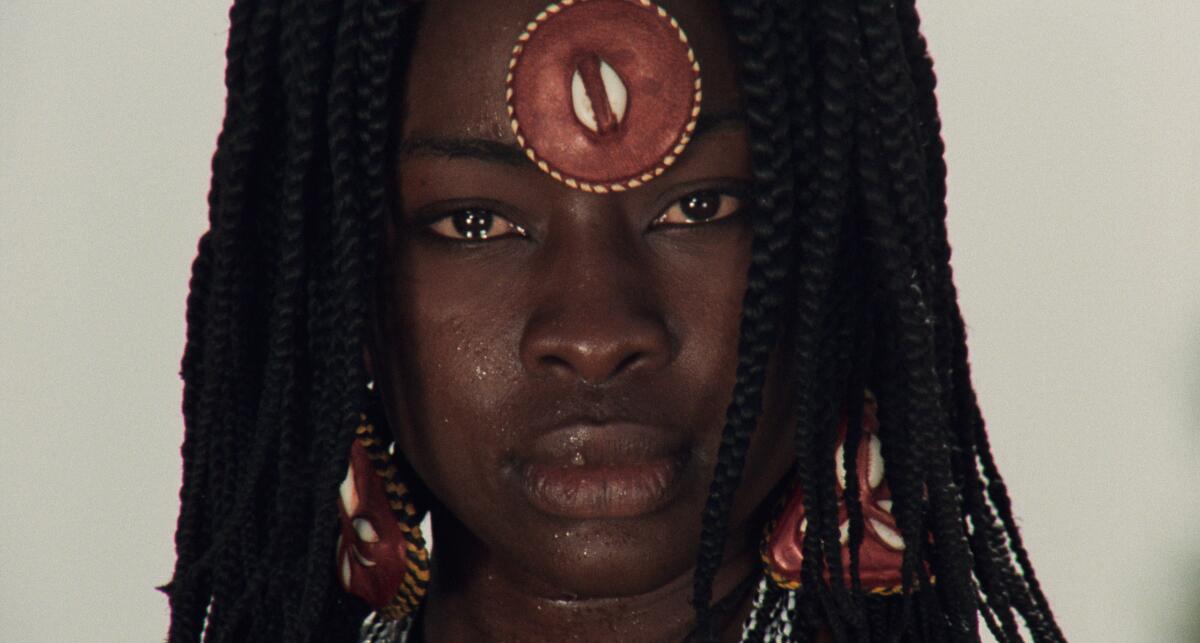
pixel 561 385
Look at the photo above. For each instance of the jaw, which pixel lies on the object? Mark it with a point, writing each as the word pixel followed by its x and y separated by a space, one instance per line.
pixel 598 589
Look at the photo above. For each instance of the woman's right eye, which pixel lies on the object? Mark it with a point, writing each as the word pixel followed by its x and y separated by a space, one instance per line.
pixel 475 224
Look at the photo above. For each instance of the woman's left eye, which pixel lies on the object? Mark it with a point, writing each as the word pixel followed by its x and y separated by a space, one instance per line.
pixel 475 224
pixel 700 207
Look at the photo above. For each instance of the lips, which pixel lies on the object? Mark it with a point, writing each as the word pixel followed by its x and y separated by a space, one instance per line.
pixel 602 471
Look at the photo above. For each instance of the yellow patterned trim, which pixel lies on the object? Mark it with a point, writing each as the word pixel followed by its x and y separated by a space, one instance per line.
pixel 416 578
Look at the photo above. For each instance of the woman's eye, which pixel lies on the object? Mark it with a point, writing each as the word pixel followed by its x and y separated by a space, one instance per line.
pixel 475 224
pixel 700 207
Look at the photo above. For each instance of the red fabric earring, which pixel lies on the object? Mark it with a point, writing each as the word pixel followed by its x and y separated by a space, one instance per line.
pixel 882 550
pixel 381 554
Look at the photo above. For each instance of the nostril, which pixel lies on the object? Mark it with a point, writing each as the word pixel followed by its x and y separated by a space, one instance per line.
pixel 629 363
pixel 555 364
pixel 583 345
pixel 592 366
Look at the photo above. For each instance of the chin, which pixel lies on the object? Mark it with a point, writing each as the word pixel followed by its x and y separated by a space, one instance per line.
pixel 597 559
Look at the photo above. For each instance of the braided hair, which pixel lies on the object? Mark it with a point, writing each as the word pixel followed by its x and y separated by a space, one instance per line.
pixel 850 262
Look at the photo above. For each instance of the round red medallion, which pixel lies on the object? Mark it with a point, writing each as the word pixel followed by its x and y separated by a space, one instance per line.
pixel 603 94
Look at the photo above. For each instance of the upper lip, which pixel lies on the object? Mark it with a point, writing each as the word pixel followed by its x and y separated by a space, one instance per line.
pixel 604 443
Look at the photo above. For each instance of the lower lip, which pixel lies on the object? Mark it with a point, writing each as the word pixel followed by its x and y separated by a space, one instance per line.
pixel 608 491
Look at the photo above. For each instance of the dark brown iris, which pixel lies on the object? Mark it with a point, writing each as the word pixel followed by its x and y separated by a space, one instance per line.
pixel 700 206
pixel 473 224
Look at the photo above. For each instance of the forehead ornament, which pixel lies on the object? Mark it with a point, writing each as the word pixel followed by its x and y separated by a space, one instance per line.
pixel 603 95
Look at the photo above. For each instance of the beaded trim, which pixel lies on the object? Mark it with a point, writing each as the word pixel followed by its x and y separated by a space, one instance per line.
pixel 408 598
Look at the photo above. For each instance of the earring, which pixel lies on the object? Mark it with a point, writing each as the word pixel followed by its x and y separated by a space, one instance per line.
pixel 882 550
pixel 381 553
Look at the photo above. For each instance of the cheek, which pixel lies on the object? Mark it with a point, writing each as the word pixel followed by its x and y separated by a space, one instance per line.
pixel 704 289
pixel 711 308
pixel 454 363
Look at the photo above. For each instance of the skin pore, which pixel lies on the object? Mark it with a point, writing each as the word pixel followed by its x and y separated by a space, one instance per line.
pixel 556 364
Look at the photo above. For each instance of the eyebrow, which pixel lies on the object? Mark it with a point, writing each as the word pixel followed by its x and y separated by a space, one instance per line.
pixel 491 151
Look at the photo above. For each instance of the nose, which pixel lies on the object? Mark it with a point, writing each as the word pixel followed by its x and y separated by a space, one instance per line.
pixel 596 316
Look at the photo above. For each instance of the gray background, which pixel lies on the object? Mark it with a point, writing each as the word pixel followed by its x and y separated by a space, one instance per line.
pixel 1074 146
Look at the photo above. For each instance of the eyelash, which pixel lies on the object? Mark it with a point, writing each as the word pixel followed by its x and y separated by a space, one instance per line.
pixel 478 225
pixel 727 205
pixel 474 225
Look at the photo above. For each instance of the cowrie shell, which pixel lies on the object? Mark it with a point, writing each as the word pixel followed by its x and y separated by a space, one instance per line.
pixel 614 90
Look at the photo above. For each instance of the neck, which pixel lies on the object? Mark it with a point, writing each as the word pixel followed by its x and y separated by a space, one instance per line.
pixel 476 596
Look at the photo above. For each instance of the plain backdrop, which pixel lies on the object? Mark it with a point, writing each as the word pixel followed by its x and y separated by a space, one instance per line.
pixel 1073 131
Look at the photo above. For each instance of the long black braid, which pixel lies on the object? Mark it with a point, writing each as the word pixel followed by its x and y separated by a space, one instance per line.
pixel 850 265
pixel 881 175
pixel 766 99
pixel 272 371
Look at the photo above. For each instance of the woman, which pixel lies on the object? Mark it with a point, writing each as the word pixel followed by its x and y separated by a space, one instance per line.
pixel 612 288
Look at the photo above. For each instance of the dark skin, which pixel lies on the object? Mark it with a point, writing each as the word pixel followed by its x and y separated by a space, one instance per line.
pixel 584 311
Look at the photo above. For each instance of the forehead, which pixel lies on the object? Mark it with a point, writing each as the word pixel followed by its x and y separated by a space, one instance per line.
pixel 455 82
